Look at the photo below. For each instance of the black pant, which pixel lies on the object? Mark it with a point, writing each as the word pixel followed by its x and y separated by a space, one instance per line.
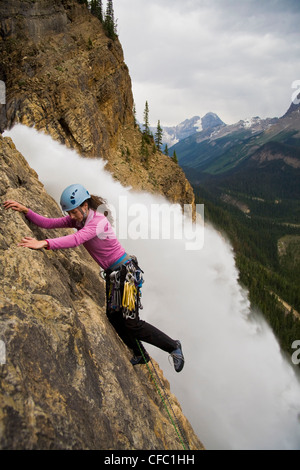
pixel 131 330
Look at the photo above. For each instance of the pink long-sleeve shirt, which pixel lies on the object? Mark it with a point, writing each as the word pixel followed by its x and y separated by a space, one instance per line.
pixel 97 236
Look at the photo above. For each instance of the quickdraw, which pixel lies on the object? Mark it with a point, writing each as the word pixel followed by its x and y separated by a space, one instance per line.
pixel 115 291
pixel 130 300
pixel 129 296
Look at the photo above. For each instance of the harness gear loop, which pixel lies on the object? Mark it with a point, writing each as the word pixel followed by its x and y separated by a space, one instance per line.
pixel 125 283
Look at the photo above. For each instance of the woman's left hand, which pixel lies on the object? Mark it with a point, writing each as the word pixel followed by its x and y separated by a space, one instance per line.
pixel 30 242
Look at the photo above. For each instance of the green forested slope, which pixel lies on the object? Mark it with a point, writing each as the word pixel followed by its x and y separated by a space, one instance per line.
pixel 267 249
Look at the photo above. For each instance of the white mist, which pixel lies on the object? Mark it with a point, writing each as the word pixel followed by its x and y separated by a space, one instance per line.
pixel 237 388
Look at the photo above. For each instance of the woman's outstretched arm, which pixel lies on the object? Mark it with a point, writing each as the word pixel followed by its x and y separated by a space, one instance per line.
pixel 45 222
pixel 37 219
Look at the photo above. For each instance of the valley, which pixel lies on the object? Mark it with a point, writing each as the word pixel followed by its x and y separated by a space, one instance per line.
pixel 247 175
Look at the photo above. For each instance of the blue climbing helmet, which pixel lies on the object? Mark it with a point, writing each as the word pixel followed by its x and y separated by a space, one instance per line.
pixel 73 196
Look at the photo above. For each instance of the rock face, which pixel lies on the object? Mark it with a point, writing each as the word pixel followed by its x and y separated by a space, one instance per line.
pixel 67 382
pixel 66 77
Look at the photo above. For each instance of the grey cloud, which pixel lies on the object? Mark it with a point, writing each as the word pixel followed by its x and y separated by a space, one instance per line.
pixel 228 56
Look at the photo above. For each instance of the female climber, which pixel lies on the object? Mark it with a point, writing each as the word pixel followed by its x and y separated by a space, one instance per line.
pixel 122 272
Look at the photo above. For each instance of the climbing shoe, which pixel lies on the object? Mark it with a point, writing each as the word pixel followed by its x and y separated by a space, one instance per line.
pixel 140 359
pixel 178 359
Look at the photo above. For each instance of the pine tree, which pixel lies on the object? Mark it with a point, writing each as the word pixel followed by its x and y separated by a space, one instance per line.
pixel 109 22
pixel 166 150
pixel 174 158
pixel 146 120
pixel 134 115
pixel 96 9
pixel 158 136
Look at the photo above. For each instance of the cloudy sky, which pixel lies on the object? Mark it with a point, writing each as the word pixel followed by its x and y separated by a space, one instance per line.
pixel 237 58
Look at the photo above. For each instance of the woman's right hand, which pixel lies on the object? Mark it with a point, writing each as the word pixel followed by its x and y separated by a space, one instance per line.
pixel 16 206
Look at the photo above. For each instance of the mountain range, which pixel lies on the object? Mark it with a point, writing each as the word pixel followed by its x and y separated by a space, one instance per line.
pixel 252 143
pixel 172 135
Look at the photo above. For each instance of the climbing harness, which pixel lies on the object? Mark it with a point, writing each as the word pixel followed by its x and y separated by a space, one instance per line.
pixel 126 281
pixel 178 429
pixel 115 293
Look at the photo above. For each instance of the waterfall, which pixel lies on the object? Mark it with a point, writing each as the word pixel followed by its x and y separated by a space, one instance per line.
pixel 238 390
